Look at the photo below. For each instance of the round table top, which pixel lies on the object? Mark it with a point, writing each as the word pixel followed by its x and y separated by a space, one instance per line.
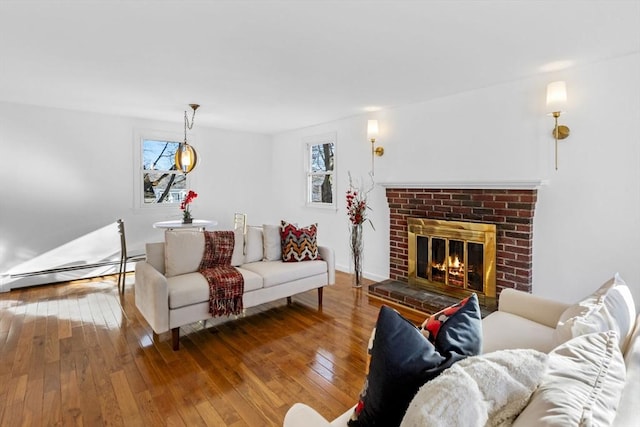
pixel 197 223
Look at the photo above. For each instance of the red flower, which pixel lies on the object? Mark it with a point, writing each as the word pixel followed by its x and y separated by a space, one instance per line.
pixel 356 205
pixel 184 205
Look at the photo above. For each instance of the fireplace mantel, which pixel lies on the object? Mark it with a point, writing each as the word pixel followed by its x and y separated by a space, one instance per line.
pixel 533 184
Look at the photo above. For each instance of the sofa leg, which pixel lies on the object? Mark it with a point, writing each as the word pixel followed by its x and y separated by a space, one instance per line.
pixel 320 297
pixel 175 338
pixel 289 300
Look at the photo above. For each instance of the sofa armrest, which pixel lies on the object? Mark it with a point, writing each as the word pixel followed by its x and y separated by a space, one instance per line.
pixel 532 307
pixel 152 296
pixel 328 255
pixel 301 415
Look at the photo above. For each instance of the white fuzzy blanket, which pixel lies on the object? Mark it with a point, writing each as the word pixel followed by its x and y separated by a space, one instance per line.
pixel 487 390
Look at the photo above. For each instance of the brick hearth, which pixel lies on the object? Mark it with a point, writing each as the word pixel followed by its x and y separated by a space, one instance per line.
pixel 510 210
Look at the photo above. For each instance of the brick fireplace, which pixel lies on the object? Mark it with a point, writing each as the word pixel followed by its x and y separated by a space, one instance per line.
pixel 511 210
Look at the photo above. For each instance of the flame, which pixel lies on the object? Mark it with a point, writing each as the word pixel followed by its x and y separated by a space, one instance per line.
pixel 455 263
pixel 455 266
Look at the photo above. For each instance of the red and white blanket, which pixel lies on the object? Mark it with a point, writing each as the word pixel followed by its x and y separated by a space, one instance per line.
pixel 226 284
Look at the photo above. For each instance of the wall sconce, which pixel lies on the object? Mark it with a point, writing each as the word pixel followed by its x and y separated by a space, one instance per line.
pixel 372 134
pixel 556 102
pixel 186 156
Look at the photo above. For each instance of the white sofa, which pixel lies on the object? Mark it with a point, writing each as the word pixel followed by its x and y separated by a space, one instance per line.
pixel 527 321
pixel 170 292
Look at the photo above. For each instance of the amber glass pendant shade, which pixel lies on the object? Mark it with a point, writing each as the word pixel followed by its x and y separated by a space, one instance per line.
pixel 186 158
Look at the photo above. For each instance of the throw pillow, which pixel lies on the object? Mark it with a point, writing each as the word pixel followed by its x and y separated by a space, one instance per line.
pixel 461 334
pixel 254 248
pixel 488 390
pixel 298 243
pixel 183 251
pixel 402 360
pixel 611 307
pixel 431 326
pixel 582 384
pixel 272 242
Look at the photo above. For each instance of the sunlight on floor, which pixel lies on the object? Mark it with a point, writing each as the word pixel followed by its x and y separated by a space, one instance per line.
pixel 99 308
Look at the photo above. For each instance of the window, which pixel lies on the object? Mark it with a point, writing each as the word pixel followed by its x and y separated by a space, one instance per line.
pixel 320 153
pixel 158 181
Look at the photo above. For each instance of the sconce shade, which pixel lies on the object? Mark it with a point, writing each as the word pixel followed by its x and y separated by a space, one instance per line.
pixel 372 129
pixel 556 97
pixel 186 158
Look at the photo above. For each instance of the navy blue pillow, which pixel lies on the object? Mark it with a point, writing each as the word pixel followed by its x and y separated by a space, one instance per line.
pixel 402 360
pixel 461 334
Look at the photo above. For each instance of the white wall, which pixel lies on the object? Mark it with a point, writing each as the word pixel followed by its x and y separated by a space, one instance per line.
pixel 77 177
pixel 587 223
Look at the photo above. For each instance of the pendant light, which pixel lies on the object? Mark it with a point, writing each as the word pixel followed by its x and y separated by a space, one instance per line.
pixel 186 156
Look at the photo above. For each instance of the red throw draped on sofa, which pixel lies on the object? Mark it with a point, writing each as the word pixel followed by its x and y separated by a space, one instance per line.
pixel 226 284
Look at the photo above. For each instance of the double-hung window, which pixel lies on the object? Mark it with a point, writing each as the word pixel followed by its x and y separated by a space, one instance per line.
pixel 158 181
pixel 320 164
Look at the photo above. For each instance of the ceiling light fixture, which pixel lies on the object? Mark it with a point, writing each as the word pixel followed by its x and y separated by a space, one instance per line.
pixel 556 102
pixel 186 156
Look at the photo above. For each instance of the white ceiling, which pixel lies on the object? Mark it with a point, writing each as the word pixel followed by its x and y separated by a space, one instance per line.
pixel 271 66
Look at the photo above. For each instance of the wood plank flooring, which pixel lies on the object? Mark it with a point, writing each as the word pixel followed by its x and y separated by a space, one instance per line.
pixel 80 354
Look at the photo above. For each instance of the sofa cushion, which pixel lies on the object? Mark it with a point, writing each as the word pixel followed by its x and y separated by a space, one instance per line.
pixel 155 255
pixel 193 288
pixel 183 250
pixel 481 390
pixel 502 330
pixel 278 272
pixel 187 289
pixel 582 384
pixel 238 247
pixel 611 307
pixel 252 281
pixel 402 359
pixel 272 242
pixel 298 243
pixel 254 250
pixel 628 408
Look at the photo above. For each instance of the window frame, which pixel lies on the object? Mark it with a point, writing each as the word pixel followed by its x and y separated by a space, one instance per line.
pixel 309 142
pixel 138 169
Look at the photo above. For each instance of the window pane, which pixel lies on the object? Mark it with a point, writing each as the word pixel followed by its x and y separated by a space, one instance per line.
pixel 164 187
pixel 159 155
pixel 321 188
pixel 322 157
pixel 161 183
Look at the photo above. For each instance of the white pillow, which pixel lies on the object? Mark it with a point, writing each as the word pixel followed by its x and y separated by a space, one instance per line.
pixel 254 249
pixel 487 390
pixel 183 251
pixel 237 258
pixel 611 307
pixel 272 242
pixel 582 385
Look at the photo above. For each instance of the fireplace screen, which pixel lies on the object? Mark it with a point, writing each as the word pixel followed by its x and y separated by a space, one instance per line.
pixel 451 257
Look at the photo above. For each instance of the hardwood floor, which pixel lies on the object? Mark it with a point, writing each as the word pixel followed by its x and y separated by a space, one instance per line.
pixel 80 354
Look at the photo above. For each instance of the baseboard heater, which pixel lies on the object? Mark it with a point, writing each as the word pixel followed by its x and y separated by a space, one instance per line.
pixel 133 258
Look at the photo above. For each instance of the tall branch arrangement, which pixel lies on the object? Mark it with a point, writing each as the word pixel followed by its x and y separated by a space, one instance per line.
pixel 357 212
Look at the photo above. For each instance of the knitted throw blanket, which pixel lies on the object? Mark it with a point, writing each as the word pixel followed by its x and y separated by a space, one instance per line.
pixel 226 284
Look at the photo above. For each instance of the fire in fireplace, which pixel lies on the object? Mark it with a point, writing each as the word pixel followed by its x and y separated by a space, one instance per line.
pixel 454 258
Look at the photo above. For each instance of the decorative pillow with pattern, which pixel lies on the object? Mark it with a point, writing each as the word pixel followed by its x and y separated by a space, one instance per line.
pixel 298 243
pixel 431 326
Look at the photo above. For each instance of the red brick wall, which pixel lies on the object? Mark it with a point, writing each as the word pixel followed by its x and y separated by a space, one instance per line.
pixel 511 210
